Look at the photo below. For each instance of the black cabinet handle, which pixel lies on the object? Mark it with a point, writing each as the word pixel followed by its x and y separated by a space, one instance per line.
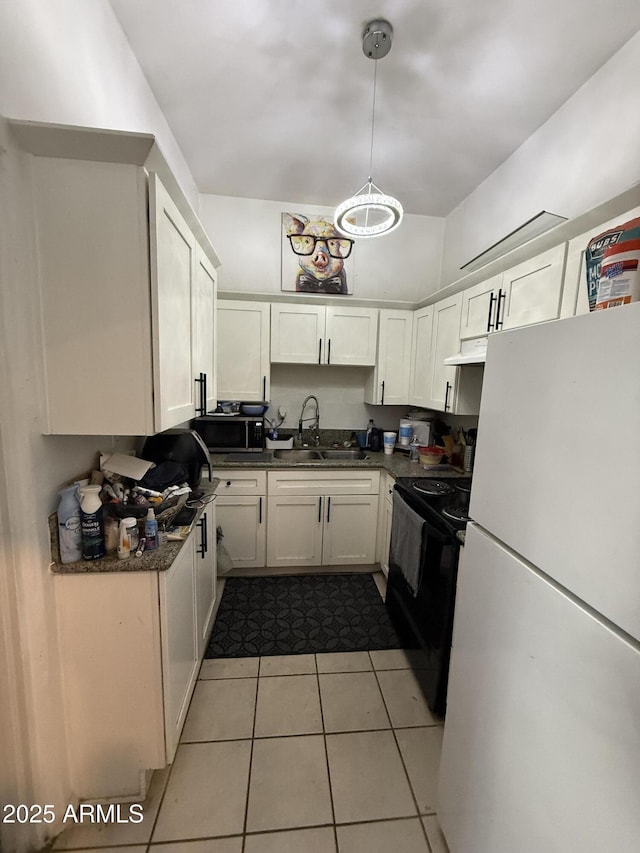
pixel 202 524
pixel 328 510
pixel 264 387
pixel 329 351
pixel 202 394
pixel 319 510
pixel 502 296
pixel 382 395
pixel 446 396
pixel 490 325
pixel 260 511
pixel 320 351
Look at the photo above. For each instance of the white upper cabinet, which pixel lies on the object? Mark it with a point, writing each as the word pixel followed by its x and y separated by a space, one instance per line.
pixel 297 333
pixel 351 335
pixel 531 292
pixel 420 372
pixel 444 342
pixel 479 308
pixel 116 258
pixel 173 265
pixel 389 383
pixel 318 334
pixel 204 332
pixel 434 384
pixel 243 350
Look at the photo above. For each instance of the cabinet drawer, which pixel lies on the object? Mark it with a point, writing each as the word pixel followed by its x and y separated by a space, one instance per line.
pixel 234 482
pixel 297 482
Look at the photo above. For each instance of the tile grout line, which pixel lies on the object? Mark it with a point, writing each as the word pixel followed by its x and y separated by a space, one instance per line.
pixel 253 736
pixel 326 754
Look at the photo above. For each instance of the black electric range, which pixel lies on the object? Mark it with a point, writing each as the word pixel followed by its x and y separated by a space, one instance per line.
pixel 421 588
pixel 445 502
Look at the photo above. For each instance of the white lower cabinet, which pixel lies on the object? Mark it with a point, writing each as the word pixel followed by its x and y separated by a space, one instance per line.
pixel 179 642
pixel 241 508
pixel 322 518
pixel 130 645
pixel 206 575
pixel 385 514
pixel 295 530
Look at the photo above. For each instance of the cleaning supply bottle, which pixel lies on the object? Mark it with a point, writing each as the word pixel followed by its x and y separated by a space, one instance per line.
pixel 151 530
pixel 124 543
pixel 69 533
pixel 370 428
pixel 91 523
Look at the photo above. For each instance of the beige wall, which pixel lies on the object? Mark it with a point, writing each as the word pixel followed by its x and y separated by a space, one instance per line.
pixel 403 266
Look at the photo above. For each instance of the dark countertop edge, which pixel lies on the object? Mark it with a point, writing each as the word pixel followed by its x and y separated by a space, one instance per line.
pixel 151 561
pixel 395 464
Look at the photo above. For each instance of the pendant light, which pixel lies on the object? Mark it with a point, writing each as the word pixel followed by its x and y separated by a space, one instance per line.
pixel 369 212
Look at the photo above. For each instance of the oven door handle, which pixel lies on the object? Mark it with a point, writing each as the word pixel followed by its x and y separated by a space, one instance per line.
pixel 429 529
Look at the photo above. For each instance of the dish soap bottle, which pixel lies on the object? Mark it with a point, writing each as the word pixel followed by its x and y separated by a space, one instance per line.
pixel 69 533
pixel 91 523
pixel 151 530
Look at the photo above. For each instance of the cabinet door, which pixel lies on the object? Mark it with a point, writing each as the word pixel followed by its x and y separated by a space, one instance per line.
pixel 205 576
pixel 180 657
pixel 479 304
pixel 243 350
pixel 351 335
pixel 204 329
pixel 349 536
pixel 445 341
pixel 533 290
pixel 420 373
pixel 172 252
pixel 297 333
pixel 390 381
pixel 294 533
pixel 385 513
pixel 243 523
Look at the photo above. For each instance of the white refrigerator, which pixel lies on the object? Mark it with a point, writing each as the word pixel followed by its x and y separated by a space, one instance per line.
pixel 541 749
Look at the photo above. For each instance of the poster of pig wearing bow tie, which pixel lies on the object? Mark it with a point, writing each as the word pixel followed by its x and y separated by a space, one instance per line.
pixel 314 255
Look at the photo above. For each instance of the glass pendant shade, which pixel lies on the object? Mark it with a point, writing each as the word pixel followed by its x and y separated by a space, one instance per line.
pixel 368 213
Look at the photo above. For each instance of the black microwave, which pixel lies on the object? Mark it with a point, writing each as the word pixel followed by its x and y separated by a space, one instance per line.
pixel 226 433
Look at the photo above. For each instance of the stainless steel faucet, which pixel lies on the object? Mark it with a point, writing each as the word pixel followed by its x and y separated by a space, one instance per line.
pixel 315 418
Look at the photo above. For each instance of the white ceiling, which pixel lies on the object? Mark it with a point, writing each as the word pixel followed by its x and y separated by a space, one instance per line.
pixel 272 99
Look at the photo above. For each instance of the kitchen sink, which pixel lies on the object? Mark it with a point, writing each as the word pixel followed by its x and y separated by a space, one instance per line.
pixel 301 455
pixel 343 454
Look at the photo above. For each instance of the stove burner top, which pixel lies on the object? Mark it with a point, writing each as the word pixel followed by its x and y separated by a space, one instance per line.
pixel 458 513
pixel 464 486
pixel 435 488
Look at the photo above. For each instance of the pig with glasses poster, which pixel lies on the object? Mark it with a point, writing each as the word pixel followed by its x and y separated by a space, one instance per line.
pixel 313 255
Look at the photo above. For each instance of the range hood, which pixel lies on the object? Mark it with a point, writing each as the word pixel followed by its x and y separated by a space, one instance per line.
pixel 473 351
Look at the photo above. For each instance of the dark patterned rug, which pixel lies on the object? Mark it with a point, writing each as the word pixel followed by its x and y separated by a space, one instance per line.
pixel 300 614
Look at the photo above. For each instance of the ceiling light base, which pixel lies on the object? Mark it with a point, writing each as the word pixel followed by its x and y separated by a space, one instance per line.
pixel 377 38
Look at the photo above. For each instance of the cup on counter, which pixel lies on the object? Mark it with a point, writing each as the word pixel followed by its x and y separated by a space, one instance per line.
pixel 389 439
pixel 361 438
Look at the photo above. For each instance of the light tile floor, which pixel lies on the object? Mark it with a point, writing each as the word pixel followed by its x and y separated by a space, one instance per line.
pixel 326 753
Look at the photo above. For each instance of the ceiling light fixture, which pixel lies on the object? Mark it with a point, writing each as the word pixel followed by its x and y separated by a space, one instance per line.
pixel 371 213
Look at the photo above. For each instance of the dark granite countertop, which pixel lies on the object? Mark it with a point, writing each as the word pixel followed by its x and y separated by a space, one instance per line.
pixel 397 464
pixel 150 561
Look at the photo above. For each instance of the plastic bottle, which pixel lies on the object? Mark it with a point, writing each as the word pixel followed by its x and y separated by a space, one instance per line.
pixel 124 544
pixel 370 427
pixel 91 523
pixel 69 532
pixel 151 530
